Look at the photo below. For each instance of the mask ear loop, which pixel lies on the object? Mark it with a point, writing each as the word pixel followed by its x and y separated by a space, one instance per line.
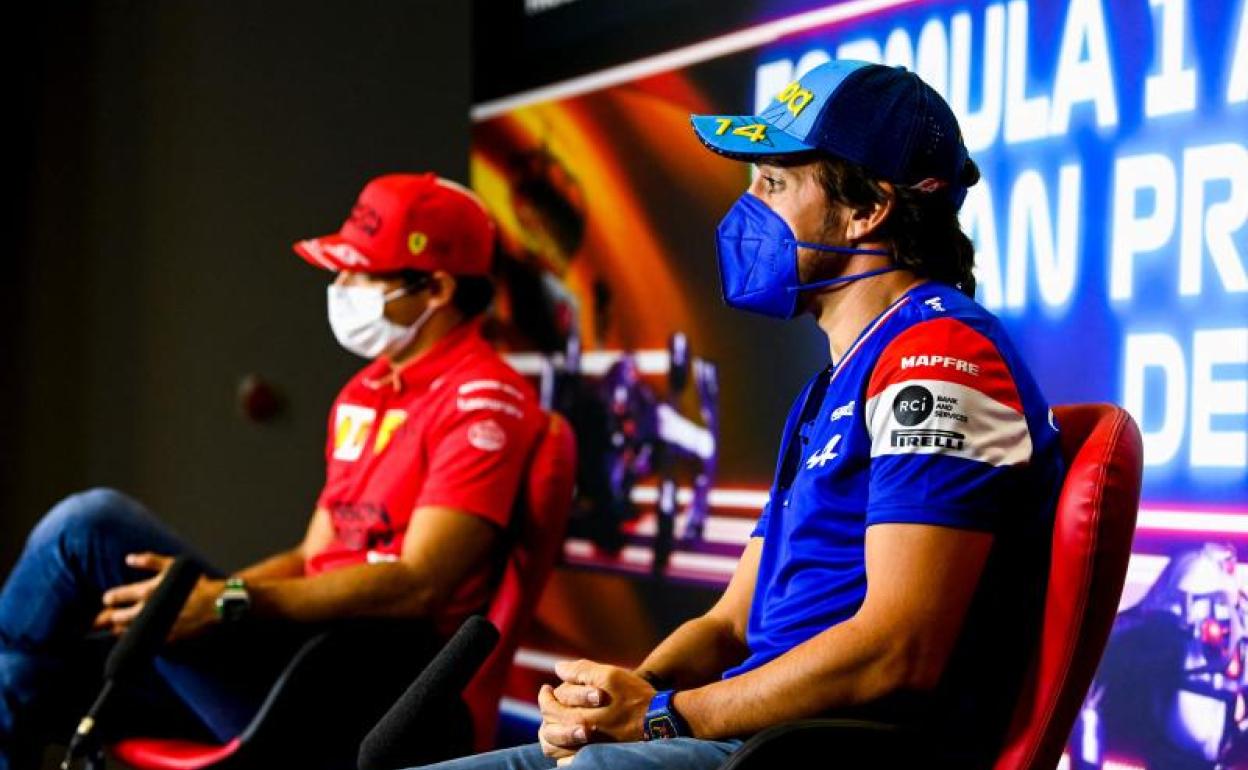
pixel 416 325
pixel 843 278
pixel 842 249
pixel 406 289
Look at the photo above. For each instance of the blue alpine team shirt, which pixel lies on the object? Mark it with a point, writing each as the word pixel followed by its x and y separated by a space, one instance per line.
pixel 930 417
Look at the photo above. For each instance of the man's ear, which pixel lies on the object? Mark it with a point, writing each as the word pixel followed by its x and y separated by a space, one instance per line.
pixel 864 223
pixel 441 288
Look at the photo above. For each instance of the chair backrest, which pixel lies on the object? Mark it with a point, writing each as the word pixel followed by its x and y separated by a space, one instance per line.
pixel 545 506
pixel 1092 534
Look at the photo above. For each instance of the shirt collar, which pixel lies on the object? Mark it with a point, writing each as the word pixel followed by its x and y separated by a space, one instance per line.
pixel 423 370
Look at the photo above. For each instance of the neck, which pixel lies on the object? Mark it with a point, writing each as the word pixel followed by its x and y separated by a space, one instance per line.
pixel 844 311
pixel 437 327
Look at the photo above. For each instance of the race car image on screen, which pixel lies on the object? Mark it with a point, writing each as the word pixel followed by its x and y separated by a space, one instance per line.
pixel 1169 694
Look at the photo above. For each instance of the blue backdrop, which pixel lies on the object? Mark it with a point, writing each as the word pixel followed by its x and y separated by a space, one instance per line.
pixel 1110 223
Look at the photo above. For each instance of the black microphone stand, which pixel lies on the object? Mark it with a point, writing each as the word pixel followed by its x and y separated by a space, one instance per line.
pixel 136 647
pixel 83 743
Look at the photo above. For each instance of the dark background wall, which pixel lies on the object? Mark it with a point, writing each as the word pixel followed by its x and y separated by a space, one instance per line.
pixel 169 154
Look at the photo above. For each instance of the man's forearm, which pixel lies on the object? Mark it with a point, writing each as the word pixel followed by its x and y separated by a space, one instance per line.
pixel 287 564
pixel 364 590
pixel 848 664
pixel 695 653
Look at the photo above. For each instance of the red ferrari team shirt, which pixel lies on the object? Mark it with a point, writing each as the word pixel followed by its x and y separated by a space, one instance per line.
pixel 454 428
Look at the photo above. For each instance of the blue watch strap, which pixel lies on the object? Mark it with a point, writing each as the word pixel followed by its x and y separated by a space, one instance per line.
pixel 662 719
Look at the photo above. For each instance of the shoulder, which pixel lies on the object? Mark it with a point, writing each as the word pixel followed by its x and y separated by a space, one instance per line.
pixel 943 336
pixel 942 384
pixel 482 384
pixel 484 373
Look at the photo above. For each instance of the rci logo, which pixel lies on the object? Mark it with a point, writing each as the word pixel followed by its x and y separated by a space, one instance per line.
pixel 795 97
pixel 913 405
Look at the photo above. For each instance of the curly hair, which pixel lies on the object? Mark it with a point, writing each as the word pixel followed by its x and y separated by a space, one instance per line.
pixel 923 227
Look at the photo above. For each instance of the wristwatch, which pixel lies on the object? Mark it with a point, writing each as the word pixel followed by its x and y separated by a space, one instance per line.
pixel 662 721
pixel 234 602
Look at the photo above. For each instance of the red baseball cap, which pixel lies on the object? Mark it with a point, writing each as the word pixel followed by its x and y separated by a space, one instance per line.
pixel 409 221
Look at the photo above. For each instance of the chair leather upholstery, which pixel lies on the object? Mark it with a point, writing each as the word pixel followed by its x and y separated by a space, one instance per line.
pixel 1092 535
pixel 548 505
pixel 172 754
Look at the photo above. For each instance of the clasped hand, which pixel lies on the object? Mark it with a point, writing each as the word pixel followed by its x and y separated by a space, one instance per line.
pixel 595 703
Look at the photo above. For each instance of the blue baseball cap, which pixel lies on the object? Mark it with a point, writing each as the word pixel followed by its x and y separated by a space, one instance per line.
pixel 885 119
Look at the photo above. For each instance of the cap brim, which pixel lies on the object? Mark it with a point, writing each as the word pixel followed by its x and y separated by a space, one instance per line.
pixel 744 137
pixel 332 252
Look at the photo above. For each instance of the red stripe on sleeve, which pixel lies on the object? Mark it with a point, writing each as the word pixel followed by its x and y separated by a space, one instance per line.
pixel 945 349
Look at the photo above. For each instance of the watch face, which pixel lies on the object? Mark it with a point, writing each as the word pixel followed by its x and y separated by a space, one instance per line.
pixel 662 726
pixel 233 605
pixel 233 609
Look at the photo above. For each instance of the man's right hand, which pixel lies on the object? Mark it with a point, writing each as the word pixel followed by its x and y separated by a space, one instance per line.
pixel 123 603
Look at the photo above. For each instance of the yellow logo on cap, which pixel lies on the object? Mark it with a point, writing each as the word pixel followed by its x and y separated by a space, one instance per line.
pixel 416 242
pixel 795 97
pixel 756 132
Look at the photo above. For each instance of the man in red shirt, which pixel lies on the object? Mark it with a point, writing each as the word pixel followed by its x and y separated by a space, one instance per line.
pixel 426 449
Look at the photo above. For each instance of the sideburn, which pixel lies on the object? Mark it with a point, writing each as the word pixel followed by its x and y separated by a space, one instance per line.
pixel 815 265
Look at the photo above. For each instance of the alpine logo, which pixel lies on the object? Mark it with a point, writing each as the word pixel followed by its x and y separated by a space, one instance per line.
pixel 825 455
pixel 934 304
pixel 942 439
pixel 845 410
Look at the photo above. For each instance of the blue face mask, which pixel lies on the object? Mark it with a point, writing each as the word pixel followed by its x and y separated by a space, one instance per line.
pixel 758 260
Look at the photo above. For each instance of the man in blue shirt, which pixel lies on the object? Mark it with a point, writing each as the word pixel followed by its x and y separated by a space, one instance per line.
pixel 898 570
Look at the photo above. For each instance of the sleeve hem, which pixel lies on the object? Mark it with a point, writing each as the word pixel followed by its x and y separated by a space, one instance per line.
pixel 468 508
pixel 956 517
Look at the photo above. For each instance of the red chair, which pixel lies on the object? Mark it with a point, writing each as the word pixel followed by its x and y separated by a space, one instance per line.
pixel 548 501
pixel 1092 534
pixel 1091 547
pixel 282 725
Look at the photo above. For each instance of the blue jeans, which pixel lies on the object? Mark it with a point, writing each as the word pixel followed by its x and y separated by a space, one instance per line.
pixel 50 663
pixel 672 754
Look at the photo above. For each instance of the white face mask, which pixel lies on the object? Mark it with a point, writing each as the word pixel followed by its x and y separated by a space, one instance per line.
pixel 357 315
